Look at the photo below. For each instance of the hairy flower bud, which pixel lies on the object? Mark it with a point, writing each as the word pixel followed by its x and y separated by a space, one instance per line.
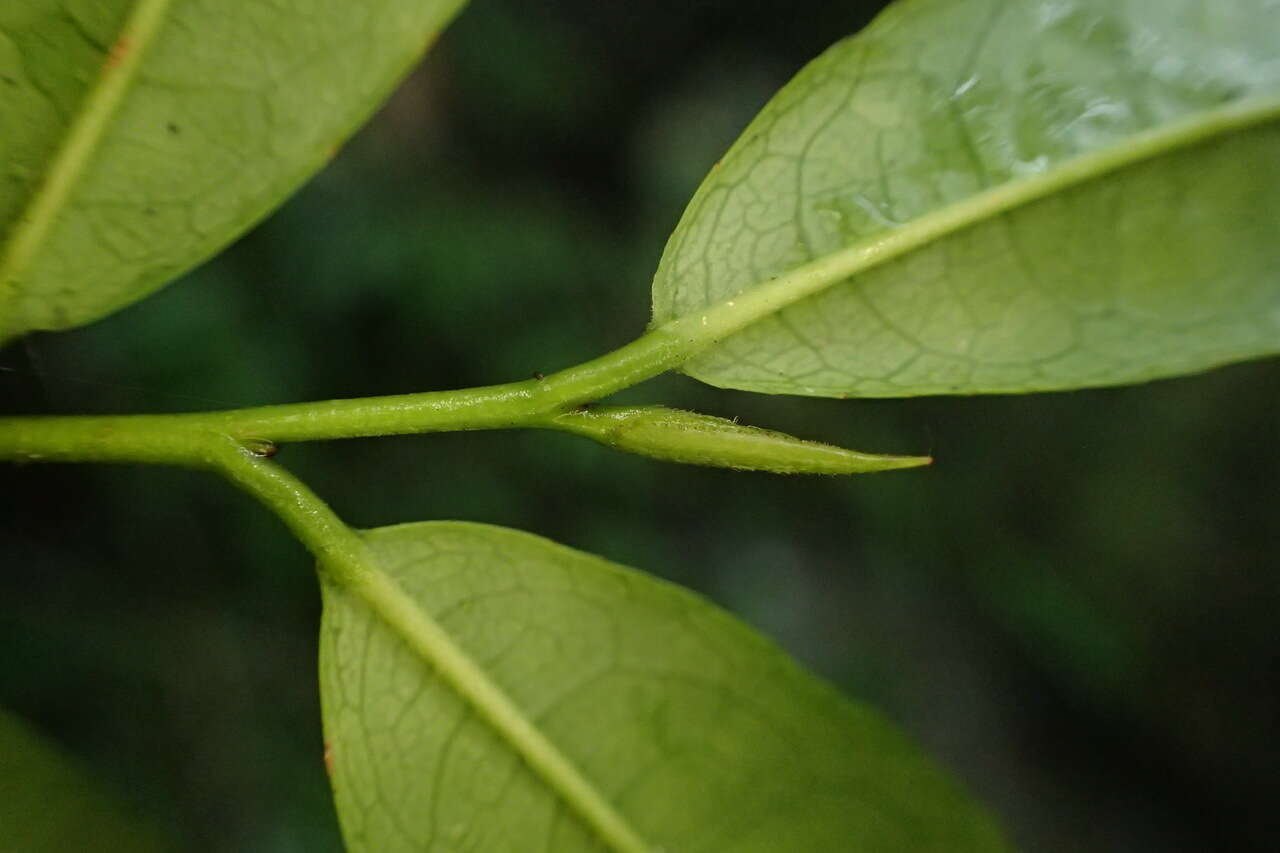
pixel 680 436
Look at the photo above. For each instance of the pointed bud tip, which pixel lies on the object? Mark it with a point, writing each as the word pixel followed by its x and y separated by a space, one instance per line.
pixel 896 463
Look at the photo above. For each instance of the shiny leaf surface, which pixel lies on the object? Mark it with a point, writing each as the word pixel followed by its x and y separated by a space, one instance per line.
pixel 702 734
pixel 1003 196
pixel 138 137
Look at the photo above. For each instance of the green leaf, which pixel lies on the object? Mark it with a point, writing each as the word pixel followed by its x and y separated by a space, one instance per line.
pixel 700 734
pixel 138 137
pixel 977 196
pixel 695 439
pixel 49 805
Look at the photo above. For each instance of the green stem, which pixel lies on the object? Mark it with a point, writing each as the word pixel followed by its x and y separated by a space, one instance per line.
pixel 340 553
pixel 531 403
pixel 344 560
pixel 536 403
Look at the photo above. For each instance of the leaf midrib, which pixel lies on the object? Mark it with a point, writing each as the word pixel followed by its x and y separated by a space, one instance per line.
pixel 83 138
pixel 419 630
pixel 702 328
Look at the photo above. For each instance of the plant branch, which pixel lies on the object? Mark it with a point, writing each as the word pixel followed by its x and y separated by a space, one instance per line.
pixel 169 438
pixel 538 402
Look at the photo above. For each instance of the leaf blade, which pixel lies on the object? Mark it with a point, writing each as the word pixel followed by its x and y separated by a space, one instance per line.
pixel 964 311
pixel 142 137
pixel 698 730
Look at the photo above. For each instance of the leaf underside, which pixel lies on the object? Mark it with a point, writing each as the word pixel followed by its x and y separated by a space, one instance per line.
pixel 49 805
pixel 1166 266
pixel 700 732
pixel 232 106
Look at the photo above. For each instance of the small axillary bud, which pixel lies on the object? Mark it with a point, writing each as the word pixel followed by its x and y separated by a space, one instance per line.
pixel 692 438
pixel 260 447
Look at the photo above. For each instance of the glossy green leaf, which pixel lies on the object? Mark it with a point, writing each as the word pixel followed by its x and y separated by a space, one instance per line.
pixel 998 196
pixel 699 732
pixel 49 805
pixel 138 137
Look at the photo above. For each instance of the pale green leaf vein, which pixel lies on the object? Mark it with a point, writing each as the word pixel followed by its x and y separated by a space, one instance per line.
pixel 347 562
pixel 704 328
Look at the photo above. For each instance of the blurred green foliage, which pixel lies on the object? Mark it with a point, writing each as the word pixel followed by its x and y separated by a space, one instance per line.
pixel 48 805
pixel 1074 608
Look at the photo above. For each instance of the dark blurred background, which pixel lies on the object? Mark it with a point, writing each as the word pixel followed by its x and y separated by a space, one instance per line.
pixel 1074 609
